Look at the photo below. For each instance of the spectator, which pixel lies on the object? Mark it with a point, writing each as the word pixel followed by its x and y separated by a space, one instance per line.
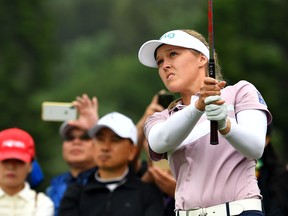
pixel 270 171
pixel 141 166
pixel 280 191
pixel 77 149
pixel 17 151
pixel 160 176
pixel 115 189
pixel 165 181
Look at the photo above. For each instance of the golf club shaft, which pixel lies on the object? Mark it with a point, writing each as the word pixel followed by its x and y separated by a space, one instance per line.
pixel 211 69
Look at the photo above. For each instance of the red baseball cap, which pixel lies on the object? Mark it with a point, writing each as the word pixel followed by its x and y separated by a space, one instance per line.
pixel 16 144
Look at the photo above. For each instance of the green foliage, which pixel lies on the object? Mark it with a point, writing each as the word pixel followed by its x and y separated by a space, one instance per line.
pixel 59 49
pixel 251 41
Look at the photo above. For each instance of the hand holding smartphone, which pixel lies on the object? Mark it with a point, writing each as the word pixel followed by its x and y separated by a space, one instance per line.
pixel 164 99
pixel 58 111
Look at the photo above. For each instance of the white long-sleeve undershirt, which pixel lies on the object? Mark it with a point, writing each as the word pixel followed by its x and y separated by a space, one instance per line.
pixel 247 135
pixel 175 129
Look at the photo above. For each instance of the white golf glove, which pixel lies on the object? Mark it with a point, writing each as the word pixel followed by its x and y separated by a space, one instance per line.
pixel 216 112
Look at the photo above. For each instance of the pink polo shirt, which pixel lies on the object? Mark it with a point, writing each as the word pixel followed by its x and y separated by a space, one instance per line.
pixel 206 174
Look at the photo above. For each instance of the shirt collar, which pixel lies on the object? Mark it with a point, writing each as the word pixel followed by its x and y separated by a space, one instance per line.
pixel 112 180
pixel 23 194
pixel 179 105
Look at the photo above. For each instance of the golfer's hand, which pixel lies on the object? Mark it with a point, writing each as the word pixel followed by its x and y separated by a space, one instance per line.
pixel 209 87
pixel 216 110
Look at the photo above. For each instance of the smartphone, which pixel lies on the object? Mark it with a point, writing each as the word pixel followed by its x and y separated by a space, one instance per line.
pixel 58 111
pixel 165 99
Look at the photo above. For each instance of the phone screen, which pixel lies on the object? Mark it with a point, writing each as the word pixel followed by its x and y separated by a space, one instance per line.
pixel 165 99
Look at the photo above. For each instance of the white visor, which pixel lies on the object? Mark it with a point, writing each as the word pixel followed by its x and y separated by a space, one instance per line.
pixel 175 38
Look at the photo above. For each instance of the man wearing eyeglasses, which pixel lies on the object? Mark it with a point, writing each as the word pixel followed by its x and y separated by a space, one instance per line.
pixel 77 150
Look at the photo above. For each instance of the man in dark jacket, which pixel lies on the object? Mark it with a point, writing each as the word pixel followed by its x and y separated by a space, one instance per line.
pixel 271 176
pixel 114 189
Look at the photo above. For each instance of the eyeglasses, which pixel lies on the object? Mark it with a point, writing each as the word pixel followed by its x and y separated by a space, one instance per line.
pixel 83 137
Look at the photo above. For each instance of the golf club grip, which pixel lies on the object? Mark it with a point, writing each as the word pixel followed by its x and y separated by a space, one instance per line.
pixel 213 124
pixel 213 133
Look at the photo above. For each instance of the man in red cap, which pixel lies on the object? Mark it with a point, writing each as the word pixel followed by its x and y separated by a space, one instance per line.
pixel 17 151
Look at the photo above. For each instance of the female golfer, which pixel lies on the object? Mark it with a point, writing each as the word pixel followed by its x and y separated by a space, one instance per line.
pixel 211 179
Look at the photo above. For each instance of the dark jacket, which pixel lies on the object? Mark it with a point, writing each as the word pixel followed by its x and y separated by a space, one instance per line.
pixel 270 176
pixel 131 198
pixel 60 183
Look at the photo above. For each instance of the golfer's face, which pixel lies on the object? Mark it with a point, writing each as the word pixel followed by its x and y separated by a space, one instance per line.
pixel 179 67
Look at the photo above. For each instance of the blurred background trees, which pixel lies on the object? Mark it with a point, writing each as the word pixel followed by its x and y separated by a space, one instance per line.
pixel 55 50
